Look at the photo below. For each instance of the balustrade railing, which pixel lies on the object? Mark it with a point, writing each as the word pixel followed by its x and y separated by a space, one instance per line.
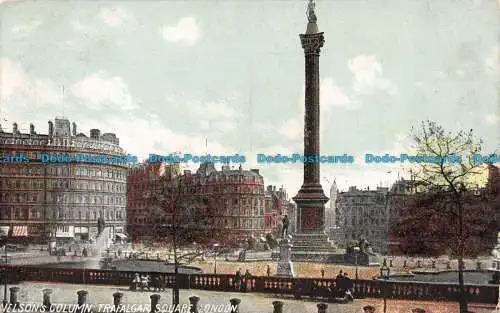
pixel 299 287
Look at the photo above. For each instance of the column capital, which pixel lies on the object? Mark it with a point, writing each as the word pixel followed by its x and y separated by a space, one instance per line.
pixel 312 43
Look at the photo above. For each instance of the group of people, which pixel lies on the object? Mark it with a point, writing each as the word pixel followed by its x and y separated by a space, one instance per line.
pixel 242 282
pixel 143 282
pixel 344 286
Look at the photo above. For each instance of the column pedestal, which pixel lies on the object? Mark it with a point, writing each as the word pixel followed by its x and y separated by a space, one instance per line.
pixel 285 266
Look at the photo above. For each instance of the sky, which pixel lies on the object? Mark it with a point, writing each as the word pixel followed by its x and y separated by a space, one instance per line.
pixel 225 77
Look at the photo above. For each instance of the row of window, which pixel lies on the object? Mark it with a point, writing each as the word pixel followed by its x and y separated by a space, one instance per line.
pixel 60 214
pixel 61 198
pixel 62 184
pixel 217 222
pixel 64 170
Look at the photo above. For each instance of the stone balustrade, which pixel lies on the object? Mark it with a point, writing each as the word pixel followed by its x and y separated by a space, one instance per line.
pixel 193 301
pixel 322 307
pixel 299 287
pixel 154 303
pixel 278 306
pixel 47 302
pixel 155 299
pixel 14 291
pixel 235 305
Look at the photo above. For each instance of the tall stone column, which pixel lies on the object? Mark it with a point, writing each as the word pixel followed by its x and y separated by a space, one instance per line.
pixel 311 198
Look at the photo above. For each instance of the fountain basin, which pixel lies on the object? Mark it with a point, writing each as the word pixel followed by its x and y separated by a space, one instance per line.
pixel 480 277
pixel 128 266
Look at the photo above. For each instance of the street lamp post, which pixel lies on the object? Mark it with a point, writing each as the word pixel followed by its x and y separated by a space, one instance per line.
pixel 385 273
pixel 4 275
pixel 356 251
pixel 216 245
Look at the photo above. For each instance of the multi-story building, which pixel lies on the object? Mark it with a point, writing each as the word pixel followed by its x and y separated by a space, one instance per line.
pixel 278 205
pixel 400 191
pixel 39 200
pixel 227 205
pixel 141 178
pixel 363 214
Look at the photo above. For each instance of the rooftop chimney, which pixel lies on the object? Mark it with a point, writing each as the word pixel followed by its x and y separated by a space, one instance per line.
pixel 14 128
pixel 32 129
pixel 51 131
pixel 95 134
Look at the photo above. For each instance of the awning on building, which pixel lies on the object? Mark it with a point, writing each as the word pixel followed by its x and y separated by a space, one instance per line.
pixel 35 229
pixel 81 230
pixel 65 232
pixel 121 236
pixel 20 231
pixel 4 231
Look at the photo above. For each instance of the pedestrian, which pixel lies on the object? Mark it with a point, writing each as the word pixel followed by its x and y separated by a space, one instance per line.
pixel 322 273
pixel 339 283
pixel 135 282
pixel 248 278
pixel 340 275
pixel 238 280
pixel 349 288
pixel 268 270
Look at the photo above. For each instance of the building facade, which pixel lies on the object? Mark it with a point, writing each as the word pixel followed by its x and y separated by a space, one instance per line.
pixel 363 214
pixel 330 212
pixel 141 179
pixel 39 200
pixel 225 206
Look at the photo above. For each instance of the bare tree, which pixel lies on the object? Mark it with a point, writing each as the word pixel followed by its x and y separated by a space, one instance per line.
pixel 172 201
pixel 449 176
pixel 165 198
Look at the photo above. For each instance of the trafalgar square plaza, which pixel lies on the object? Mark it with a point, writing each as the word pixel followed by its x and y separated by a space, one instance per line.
pixel 192 224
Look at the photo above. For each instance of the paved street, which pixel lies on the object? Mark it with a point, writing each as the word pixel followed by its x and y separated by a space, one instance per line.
pixel 31 293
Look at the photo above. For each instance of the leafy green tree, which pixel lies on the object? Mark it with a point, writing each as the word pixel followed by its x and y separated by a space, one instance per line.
pixel 449 209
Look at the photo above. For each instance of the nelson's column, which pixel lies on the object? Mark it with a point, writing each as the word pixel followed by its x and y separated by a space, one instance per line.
pixel 310 241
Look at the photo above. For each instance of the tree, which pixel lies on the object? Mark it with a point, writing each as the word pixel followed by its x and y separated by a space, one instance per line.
pixel 171 199
pixel 448 209
pixel 166 203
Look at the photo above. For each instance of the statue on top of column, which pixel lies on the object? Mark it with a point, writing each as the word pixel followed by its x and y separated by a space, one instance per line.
pixel 284 229
pixel 311 16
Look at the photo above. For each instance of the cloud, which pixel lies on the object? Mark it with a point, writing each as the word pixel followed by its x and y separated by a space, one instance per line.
pixel 401 144
pixel 292 128
pixel 134 128
pixel 16 82
pixel 368 76
pixel 85 30
pixel 331 95
pixel 24 30
pixel 492 119
pixel 100 89
pixel 492 60
pixel 186 31
pixel 116 16
pixel 218 115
